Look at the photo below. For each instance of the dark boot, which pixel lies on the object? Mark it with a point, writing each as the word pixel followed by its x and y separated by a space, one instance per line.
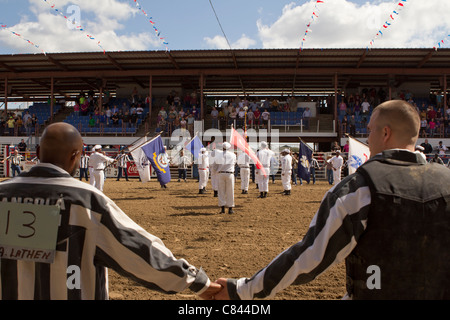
pixel 261 195
pixel 230 211
pixel 200 191
pixel 215 194
pixel 223 210
pixel 265 195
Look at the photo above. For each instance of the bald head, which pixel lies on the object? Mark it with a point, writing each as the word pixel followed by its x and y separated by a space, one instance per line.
pixel 394 124
pixel 61 144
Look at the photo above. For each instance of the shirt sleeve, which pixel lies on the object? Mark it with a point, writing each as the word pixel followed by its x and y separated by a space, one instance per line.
pixel 127 248
pixel 331 237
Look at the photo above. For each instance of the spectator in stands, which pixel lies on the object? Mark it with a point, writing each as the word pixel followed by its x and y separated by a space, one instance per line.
pixel 19 125
pixel 140 111
pixel 214 118
pixel 183 124
pixel 345 124
pixel 190 123
pixel 250 117
pixel 115 119
pixel 101 120
pixel 162 113
pixel 92 122
pixel 441 148
pixel 423 127
pixel 432 127
pixel 195 113
pixel 126 119
pixel 352 125
pixel 427 147
pixel 11 125
pixel 84 108
pixel 431 114
pixel 446 126
pixel 265 116
pixel 133 119
pixel 306 117
pixel 342 108
pixel 357 108
pixel 241 117
pixel 257 114
pixel 232 116
pixel 2 125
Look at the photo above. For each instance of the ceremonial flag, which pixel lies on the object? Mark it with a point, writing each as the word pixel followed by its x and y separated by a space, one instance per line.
pixel 304 159
pixel 194 147
pixel 358 153
pixel 239 142
pixel 156 154
pixel 141 160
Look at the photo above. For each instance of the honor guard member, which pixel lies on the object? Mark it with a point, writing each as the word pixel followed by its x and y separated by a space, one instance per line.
pixel 213 169
pixel 122 160
pixel 97 160
pixel 84 164
pixel 389 221
pixel 225 162
pixel 203 171
pixel 337 162
pixel 264 155
pixel 243 162
pixel 91 235
pixel 286 171
pixel 15 158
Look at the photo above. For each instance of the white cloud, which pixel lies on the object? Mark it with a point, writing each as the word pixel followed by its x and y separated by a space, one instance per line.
pixel 344 24
pixel 219 42
pixel 101 19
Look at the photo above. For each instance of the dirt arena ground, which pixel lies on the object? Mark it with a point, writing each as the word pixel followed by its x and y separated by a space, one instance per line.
pixel 225 245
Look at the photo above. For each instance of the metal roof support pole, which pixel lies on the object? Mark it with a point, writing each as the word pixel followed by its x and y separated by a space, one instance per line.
pixel 51 98
pixel 100 99
pixel 202 114
pixel 150 102
pixel 6 96
pixel 445 94
pixel 335 99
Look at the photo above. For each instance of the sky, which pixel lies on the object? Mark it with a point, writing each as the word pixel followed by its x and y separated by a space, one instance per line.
pixel 33 26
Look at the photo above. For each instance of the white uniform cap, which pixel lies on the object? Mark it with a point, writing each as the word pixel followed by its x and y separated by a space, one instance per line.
pixel 418 147
pixel 263 145
pixel 226 145
pixel 286 150
pixel 97 147
pixel 202 150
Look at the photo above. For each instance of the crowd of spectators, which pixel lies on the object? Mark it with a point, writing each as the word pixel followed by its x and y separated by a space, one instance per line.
pixel 17 123
pixel 112 113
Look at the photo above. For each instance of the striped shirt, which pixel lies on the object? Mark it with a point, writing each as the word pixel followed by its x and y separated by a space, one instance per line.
pixel 94 234
pixel 122 160
pixel 15 159
pixel 331 237
pixel 84 161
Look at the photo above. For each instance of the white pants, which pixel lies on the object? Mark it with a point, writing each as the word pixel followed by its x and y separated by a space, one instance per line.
pixel 91 176
pixel 286 180
pixel 214 181
pixel 203 178
pixel 245 178
pixel 99 179
pixel 263 183
pixel 226 190
pixel 336 175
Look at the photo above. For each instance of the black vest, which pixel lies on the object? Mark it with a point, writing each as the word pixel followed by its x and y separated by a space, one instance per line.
pixel 408 231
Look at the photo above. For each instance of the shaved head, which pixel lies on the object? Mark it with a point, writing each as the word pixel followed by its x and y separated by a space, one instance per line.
pixel 61 144
pixel 394 124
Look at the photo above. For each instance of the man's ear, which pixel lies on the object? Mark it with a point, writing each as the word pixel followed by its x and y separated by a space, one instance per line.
pixel 387 133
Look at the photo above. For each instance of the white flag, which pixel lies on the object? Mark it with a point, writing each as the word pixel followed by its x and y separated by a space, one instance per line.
pixel 141 160
pixel 358 153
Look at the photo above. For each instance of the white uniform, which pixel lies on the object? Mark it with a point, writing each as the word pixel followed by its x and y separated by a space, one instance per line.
pixel 97 162
pixel 264 155
pixel 244 165
pixel 286 171
pixel 225 163
pixel 213 170
pixel 203 170
pixel 337 161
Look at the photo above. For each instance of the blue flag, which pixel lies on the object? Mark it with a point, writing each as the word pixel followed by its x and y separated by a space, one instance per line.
pixel 156 154
pixel 304 159
pixel 194 146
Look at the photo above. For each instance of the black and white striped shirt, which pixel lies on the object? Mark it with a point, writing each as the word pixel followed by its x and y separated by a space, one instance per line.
pixel 94 234
pixel 84 161
pixel 15 159
pixel 122 160
pixel 331 237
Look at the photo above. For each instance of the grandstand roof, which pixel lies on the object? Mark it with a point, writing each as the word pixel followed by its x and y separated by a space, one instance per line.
pixel 250 71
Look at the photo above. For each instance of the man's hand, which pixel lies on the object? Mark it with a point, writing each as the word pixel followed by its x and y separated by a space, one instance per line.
pixel 223 294
pixel 211 292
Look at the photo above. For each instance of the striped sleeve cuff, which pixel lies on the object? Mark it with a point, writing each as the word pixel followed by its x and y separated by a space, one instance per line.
pixel 201 282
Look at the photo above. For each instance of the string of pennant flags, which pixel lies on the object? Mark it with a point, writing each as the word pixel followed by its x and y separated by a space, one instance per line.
pixel 5 27
pixel 440 44
pixel 314 16
pixel 77 24
pixel 150 19
pixel 388 23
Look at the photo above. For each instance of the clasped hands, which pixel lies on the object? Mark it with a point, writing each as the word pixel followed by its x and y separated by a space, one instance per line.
pixel 217 291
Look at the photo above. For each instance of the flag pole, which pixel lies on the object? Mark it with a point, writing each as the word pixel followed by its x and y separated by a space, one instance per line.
pixel 305 144
pixel 139 139
pixel 349 136
pixel 146 141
